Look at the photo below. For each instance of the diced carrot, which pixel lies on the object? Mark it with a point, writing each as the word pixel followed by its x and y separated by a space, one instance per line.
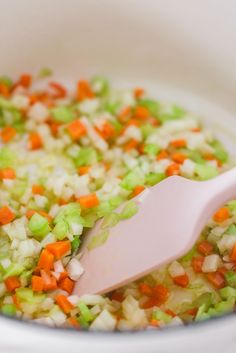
pixel 221 215
pixel 211 157
pixel 216 279
pixel 54 127
pixel 37 283
pixel 63 275
pixel 60 91
pixel 76 129
pixel 12 283
pixel 145 289
pixel 89 201
pixel 139 92
pixel 154 323
pixel 6 215
pixel 8 133
pixel 141 148
pixel 7 173
pixel 46 260
pixel 161 293
pixel 16 301
pixel 59 248
pixel 178 143
pixel 73 322
pixel 62 202
pixel 84 169
pixel 117 296
pixel 197 262
pixel 141 112
pixel 133 122
pixel 124 115
pixel 107 130
pixel 25 80
pixel 64 303
pixel 222 270
pixel 35 141
pixel 233 254
pixel 137 190
pixel 191 312
pixel 67 285
pixel 173 169
pixel 84 90
pixel 130 145
pixel 162 155
pixel 37 189
pixel 4 90
pixel 181 281
pixel 150 303
pixel 170 312
pixel 196 129
pixel 178 157
pixel 205 248
pixel 49 282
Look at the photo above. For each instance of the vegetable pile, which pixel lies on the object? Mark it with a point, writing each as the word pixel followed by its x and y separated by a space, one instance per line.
pixel 68 158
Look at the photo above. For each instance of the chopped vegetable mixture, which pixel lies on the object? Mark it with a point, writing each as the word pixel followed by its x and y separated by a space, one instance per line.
pixel 68 158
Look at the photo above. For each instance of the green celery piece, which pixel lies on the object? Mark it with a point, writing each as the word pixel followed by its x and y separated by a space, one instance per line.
pixel 62 114
pixel 116 201
pixel 146 130
pixel 129 210
pixel 98 240
pixel 195 156
pixel 220 153
pixel 201 313
pixel 25 294
pixel 6 80
pixel 151 149
pixel 83 323
pixel 75 243
pixel 88 220
pixel 206 299
pixel 152 105
pixel 230 277
pixel 45 72
pixel 132 179
pixel 7 158
pixel 86 156
pixel 5 104
pixel 228 293
pixel 111 107
pixel 61 229
pixel 110 220
pixel 19 189
pixel 190 254
pixel 205 172
pixel 8 309
pixel 175 113
pixel 39 226
pixel 225 306
pixel 117 126
pixel 13 270
pixel 72 209
pixel 154 178
pixel 100 85
pixel 161 316
pixel 231 230
pixel 85 312
pixel 104 209
pixel 232 205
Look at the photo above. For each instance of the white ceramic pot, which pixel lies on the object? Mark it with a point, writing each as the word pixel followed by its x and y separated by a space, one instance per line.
pixel 181 50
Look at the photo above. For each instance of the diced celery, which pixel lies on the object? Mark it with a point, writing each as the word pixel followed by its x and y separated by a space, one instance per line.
pixel 231 230
pixel 61 229
pixel 232 205
pixel 73 209
pixel 13 270
pixel 98 240
pixel 111 107
pixel 205 172
pixel 8 309
pixel 151 105
pixel 39 226
pixel 6 104
pixel 132 179
pixel 7 157
pixel 205 299
pixel 6 80
pixel 104 209
pixel 25 294
pixel 117 125
pixel 86 156
pixel 161 316
pixel 83 323
pixel 110 220
pixel 19 189
pixel 154 178
pixel 201 313
pixel 151 149
pixel 45 72
pixel 225 306
pixel 146 130
pixel 75 243
pixel 219 152
pixel 188 257
pixel 129 210
pixel 62 114
pixel 85 312
pixel 175 113
pixel 195 156
pixel 116 201
pixel 230 277
pixel 228 292
pixel 100 85
pixel 88 220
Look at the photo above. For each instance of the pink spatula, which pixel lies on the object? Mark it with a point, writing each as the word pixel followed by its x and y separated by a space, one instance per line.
pixel 169 220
